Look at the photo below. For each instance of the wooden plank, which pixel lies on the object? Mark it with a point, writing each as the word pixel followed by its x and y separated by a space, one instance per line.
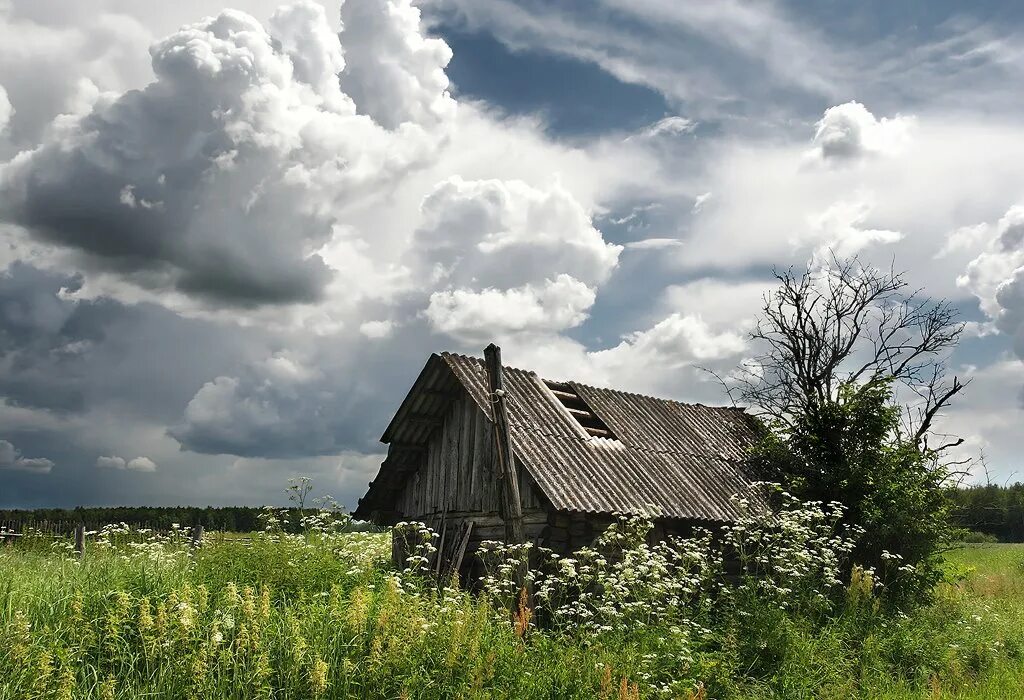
pixel 465 456
pixel 474 457
pixel 460 551
pixel 439 554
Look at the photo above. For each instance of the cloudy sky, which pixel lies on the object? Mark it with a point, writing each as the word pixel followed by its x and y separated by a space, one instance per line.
pixel 230 236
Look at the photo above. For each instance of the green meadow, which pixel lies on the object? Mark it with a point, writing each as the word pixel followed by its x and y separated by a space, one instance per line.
pixel 326 617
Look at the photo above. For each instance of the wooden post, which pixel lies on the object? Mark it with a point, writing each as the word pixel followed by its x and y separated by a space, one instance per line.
pixel 80 541
pixel 508 478
pixel 197 536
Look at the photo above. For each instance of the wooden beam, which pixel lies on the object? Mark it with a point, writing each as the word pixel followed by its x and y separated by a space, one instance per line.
pixel 508 478
pixel 460 551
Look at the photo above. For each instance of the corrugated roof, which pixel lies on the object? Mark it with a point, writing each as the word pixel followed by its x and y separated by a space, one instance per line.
pixel 684 459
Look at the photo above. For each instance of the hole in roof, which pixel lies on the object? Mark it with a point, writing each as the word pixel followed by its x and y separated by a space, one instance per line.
pixel 582 413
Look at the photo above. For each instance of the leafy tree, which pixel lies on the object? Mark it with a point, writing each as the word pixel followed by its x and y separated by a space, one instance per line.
pixel 849 383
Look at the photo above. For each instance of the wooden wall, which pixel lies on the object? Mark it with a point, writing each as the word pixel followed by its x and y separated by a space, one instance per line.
pixel 458 472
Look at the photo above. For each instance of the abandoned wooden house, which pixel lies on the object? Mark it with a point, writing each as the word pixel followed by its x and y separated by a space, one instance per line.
pixel 581 455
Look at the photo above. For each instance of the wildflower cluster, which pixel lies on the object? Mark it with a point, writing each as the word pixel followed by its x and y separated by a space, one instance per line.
pixel 788 556
pixel 794 554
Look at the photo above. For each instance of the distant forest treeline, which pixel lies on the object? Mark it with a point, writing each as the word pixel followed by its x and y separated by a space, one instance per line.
pixel 230 518
pixel 994 510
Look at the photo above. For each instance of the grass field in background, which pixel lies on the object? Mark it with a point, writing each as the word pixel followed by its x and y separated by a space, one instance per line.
pixel 327 619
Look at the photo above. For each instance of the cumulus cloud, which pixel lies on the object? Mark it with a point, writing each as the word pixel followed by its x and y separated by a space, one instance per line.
pixel 223 177
pixel 11 458
pixel 141 464
pixel 996 276
pixel 394 73
pixel 849 131
pixel 110 463
pixel 507 231
pixel 52 57
pixel 138 464
pixel 551 306
pixel 280 407
pixel 964 238
pixel 839 229
pixel 676 341
pixel 531 256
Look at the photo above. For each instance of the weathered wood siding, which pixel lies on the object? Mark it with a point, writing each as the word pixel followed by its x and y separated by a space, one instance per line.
pixel 458 470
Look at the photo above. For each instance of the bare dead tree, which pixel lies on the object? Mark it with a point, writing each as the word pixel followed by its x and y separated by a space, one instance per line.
pixel 845 324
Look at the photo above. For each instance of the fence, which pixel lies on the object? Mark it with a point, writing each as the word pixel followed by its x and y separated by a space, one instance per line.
pixel 8 535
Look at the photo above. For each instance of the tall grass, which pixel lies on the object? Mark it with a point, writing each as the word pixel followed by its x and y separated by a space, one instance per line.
pixel 325 617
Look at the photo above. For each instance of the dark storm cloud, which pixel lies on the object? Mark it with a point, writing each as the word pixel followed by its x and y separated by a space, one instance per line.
pixel 223 177
pixel 141 192
pixel 338 397
pixel 68 355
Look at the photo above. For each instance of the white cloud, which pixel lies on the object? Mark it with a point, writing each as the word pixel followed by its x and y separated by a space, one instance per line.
pixel 991 276
pixel 469 315
pixel 669 126
pixel 137 464
pixel 964 238
pixel 141 464
pixel 500 234
pixel 700 200
pixel 376 329
pixel 110 462
pixel 11 458
pixel 731 303
pixel 849 131
pixel 678 340
pixel 654 243
pixel 6 110
pixel 957 172
pixel 838 229
pixel 394 73
pixel 508 257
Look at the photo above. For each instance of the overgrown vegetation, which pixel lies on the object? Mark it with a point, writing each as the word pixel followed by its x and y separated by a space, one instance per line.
pixel 849 382
pixel 323 615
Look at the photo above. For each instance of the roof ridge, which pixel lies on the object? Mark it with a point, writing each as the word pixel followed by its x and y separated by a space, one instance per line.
pixel 658 398
pixel 599 388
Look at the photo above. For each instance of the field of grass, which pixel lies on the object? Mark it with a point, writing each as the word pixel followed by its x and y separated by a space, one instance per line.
pixel 325 618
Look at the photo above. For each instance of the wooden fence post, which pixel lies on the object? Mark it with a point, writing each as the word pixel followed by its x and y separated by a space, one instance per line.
pixel 197 536
pixel 80 541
